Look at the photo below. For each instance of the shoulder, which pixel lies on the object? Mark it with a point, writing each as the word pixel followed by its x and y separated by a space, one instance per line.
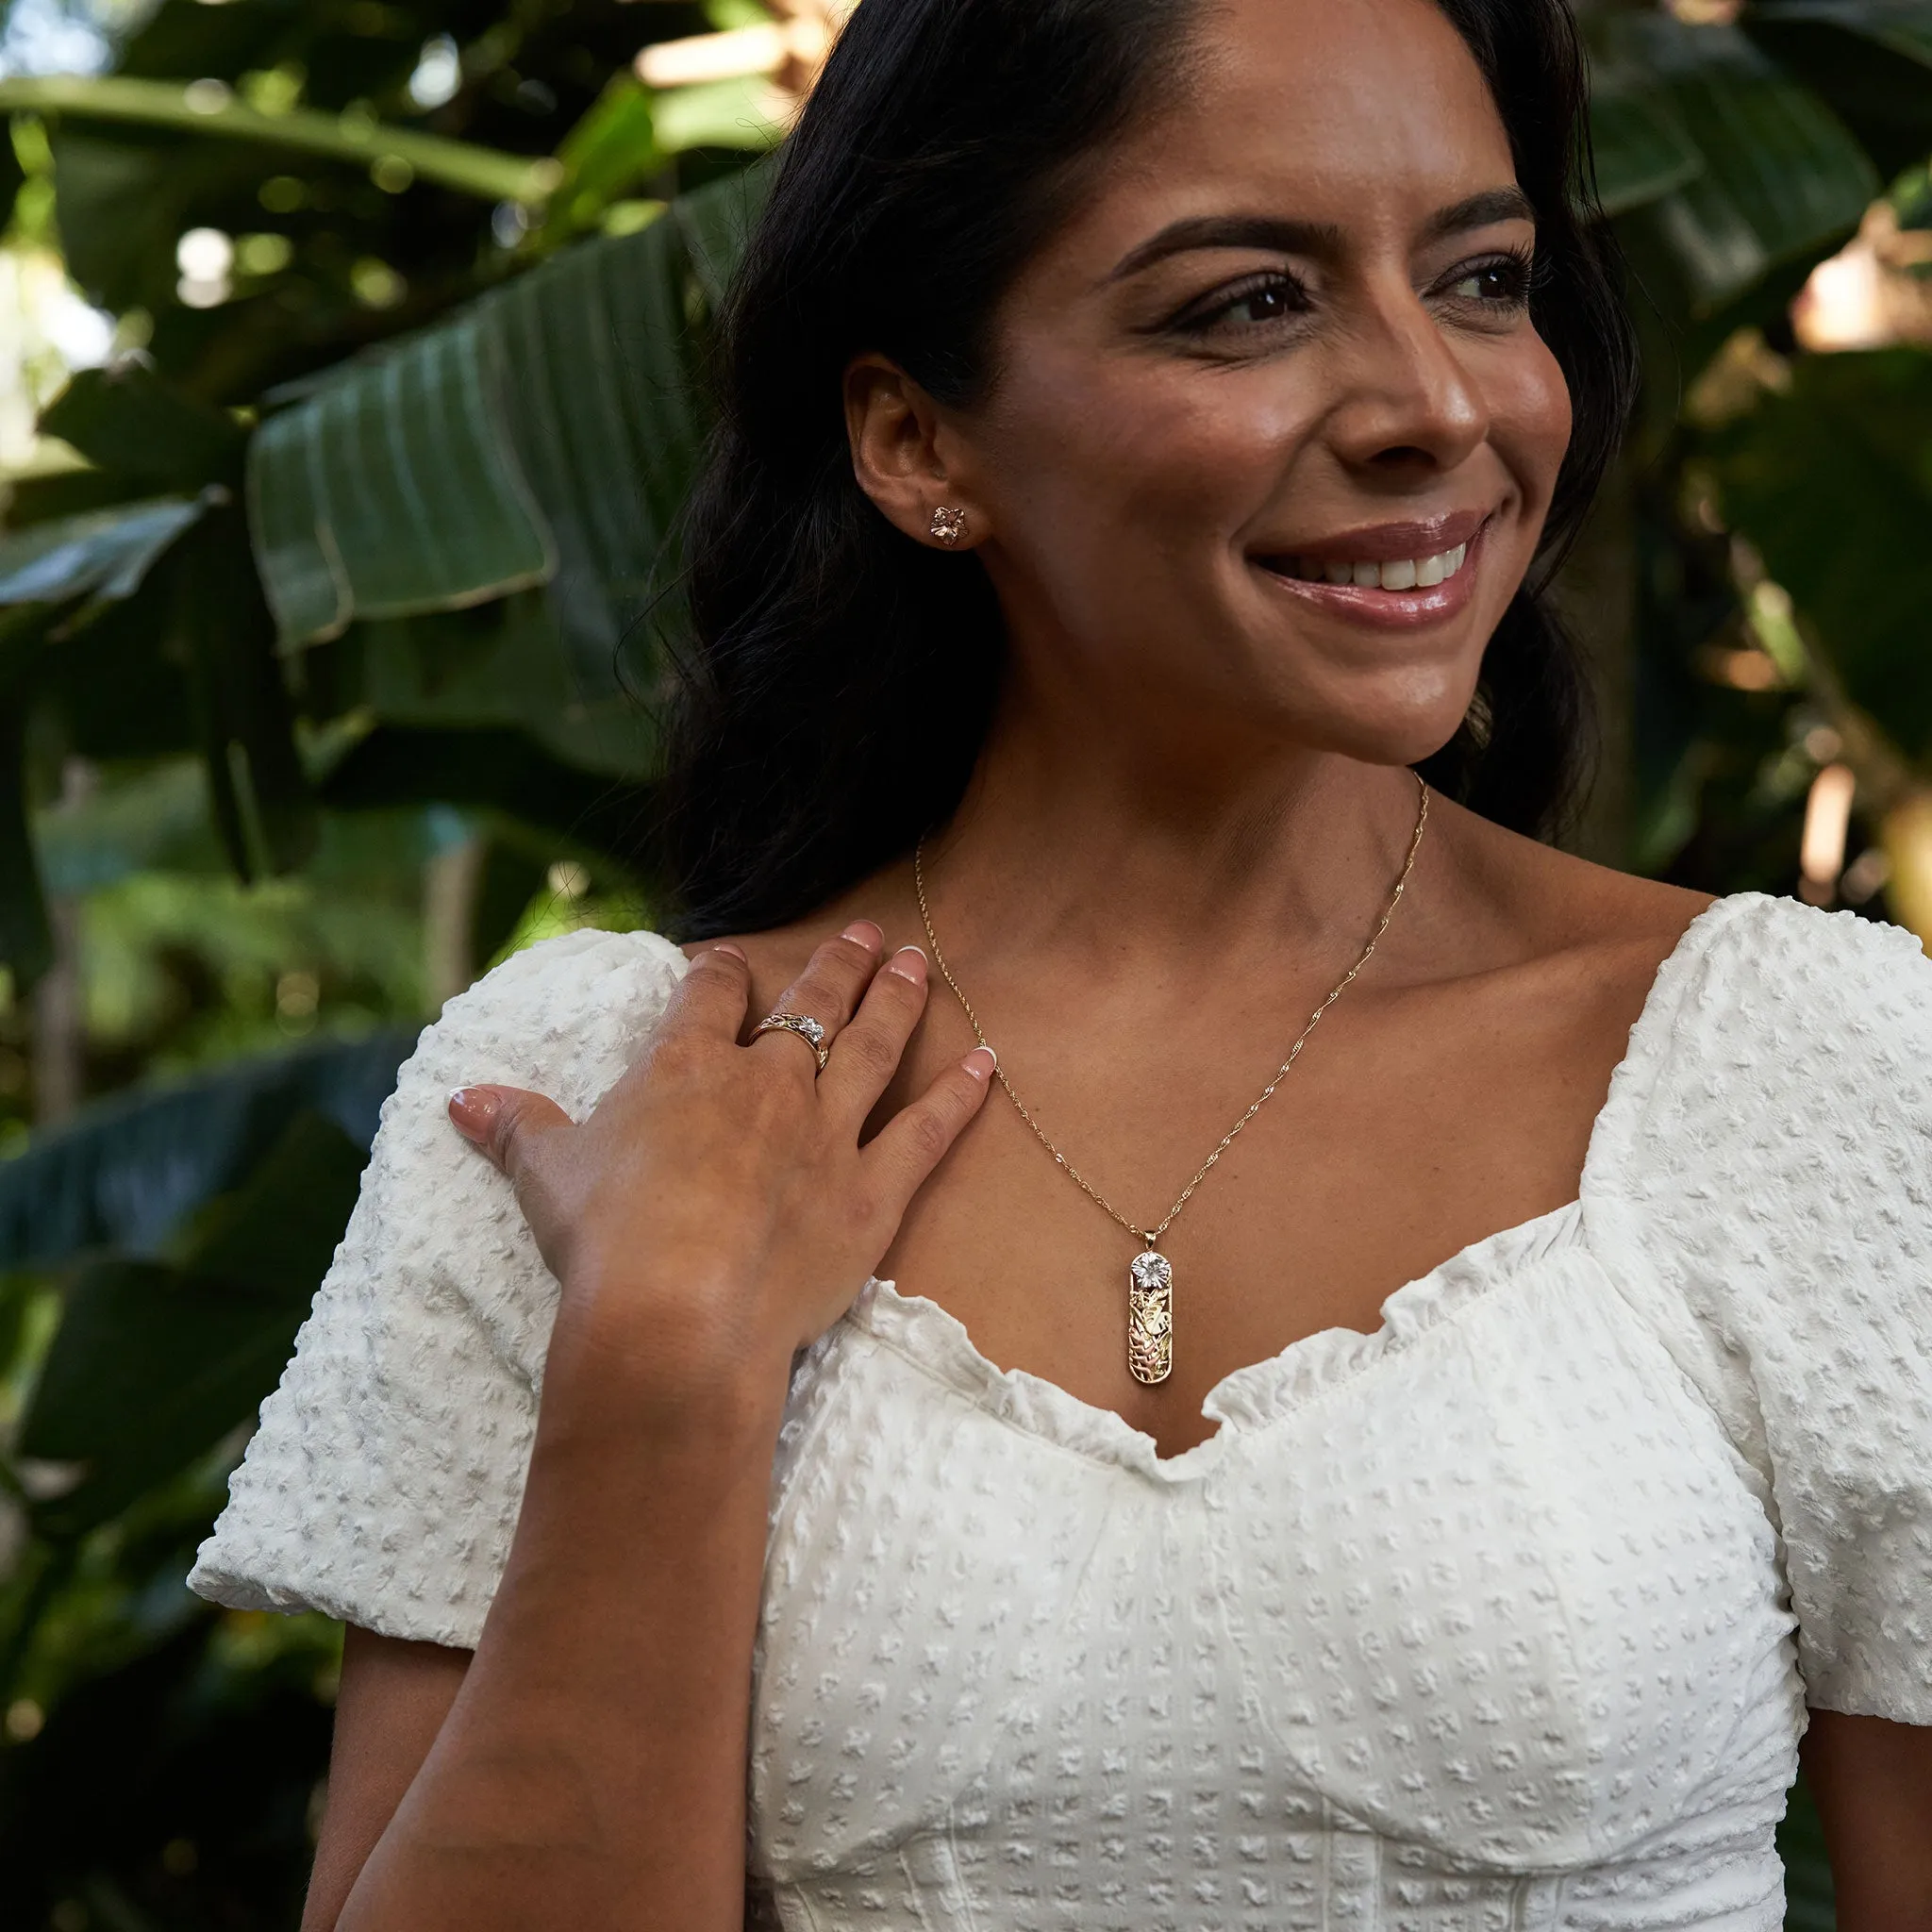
pixel 1779 1077
pixel 1775 995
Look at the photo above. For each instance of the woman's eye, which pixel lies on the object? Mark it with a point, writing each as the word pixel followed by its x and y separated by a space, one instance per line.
pixel 1255 304
pixel 1504 283
pixel 1262 304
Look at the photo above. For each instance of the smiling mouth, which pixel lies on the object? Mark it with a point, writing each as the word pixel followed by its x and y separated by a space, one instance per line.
pixel 1398 573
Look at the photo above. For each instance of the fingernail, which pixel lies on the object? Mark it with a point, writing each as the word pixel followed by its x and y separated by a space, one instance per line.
pixel 865 933
pixel 735 952
pixel 982 1062
pixel 472 1109
pixel 908 962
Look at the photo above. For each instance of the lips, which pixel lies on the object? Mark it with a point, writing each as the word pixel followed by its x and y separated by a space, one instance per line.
pixel 1378 542
pixel 1385 575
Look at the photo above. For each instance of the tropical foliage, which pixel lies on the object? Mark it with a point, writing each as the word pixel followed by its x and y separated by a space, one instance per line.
pixel 330 605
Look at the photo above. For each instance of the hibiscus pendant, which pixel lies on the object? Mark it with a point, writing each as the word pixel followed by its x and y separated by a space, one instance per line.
pixel 1150 1317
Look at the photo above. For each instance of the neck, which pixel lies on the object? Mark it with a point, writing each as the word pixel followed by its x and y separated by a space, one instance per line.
pixel 1081 835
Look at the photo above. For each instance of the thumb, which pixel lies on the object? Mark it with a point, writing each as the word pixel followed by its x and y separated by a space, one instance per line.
pixel 504 1122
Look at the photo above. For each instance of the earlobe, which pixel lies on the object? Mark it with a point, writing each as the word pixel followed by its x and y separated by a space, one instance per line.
pixel 892 426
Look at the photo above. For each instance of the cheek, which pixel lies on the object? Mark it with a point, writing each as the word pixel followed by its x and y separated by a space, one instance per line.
pixel 1529 418
pixel 1133 446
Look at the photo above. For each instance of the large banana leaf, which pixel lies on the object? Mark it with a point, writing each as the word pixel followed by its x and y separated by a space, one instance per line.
pixel 1870 60
pixel 126 1173
pixel 547 433
pixel 155 1362
pixel 1641 150
pixel 1781 176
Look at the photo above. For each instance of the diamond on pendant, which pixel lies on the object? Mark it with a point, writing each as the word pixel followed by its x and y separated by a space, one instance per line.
pixel 1150 1317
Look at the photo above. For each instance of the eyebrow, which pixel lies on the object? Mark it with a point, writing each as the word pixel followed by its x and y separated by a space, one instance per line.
pixel 1193 232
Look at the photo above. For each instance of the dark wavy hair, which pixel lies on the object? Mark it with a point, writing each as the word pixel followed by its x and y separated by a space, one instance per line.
pixel 839 679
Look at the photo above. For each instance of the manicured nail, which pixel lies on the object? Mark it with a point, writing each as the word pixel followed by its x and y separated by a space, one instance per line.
pixel 982 1062
pixel 865 934
pixel 472 1109
pixel 735 952
pixel 908 962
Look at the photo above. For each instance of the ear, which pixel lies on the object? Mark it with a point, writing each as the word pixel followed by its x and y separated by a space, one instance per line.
pixel 900 447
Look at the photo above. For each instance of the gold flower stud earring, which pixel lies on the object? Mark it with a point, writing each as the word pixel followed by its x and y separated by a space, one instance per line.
pixel 948 525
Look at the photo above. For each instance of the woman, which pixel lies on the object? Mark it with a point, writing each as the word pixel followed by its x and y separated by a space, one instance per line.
pixel 1146 424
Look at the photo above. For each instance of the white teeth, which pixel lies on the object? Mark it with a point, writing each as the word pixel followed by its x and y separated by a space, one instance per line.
pixel 1404 573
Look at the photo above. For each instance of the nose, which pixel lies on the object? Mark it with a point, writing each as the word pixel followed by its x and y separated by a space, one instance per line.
pixel 1405 402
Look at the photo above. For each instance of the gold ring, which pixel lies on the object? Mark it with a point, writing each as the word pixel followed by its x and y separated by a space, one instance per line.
pixel 803 1026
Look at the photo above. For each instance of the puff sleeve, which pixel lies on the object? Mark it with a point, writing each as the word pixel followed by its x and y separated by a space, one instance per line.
pixel 383 1484
pixel 1774 1178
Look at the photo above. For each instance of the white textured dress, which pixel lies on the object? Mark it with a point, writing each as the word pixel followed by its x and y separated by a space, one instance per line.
pixel 1504 1616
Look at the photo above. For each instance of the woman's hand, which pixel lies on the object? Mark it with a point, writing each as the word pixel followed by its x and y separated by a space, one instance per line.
pixel 717 1209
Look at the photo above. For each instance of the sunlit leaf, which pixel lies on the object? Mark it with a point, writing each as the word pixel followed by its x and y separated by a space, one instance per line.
pixel 608 153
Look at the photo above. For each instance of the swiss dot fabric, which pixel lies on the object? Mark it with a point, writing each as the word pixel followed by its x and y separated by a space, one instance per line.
pixel 1505 1616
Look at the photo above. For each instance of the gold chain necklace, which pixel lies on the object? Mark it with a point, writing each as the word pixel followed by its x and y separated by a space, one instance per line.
pixel 1149 1275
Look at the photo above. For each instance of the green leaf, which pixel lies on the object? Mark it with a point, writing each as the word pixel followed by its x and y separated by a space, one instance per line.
pixel 102 554
pixel 118 98
pixel 548 433
pixel 1782 175
pixel 27 941
pixel 734 114
pixel 1832 482
pixel 395 488
pixel 502 773
pixel 128 420
pixel 1870 60
pixel 258 789
pixel 1641 148
pixel 155 819
pixel 498 665
pixel 1809 1895
pixel 609 153
pixel 153 1364
pixel 129 1172
pixel 607 418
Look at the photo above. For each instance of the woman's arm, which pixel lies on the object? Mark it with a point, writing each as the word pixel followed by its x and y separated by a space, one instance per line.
pixel 714 1215
pixel 394 1699
pixel 1873 1783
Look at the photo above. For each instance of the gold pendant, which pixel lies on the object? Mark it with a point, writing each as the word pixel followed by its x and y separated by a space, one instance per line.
pixel 1150 1317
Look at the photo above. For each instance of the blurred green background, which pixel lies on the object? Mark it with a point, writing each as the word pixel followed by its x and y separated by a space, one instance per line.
pixel 349 385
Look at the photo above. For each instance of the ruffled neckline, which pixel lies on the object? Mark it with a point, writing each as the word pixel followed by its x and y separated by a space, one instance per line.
pixel 1244 1400
pixel 1259 1393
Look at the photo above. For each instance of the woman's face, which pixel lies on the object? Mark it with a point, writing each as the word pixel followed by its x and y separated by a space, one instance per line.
pixel 1272 438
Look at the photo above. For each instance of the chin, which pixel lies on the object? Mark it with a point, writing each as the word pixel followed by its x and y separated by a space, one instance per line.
pixel 1390 721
